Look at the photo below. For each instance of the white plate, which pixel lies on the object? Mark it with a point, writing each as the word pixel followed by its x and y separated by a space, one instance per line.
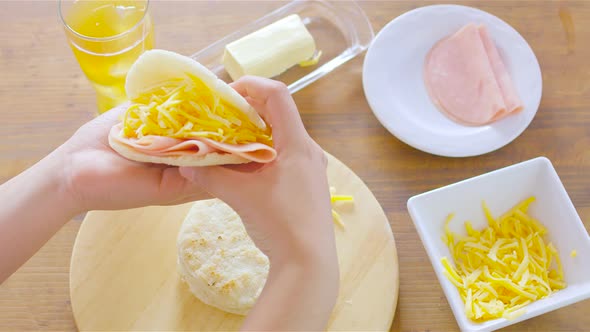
pixel 392 79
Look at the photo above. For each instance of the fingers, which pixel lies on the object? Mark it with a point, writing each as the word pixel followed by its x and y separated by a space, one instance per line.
pixel 99 127
pixel 219 181
pixel 274 103
pixel 176 189
pixel 102 124
pixel 163 185
pixel 114 115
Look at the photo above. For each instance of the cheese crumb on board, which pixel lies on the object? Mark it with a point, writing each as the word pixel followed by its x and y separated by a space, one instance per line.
pixel 338 198
pixel 573 253
pixel 501 269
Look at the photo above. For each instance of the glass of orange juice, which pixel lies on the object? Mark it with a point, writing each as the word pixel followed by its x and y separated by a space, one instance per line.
pixel 107 36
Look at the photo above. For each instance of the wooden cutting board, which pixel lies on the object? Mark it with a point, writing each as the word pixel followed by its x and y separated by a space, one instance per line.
pixel 123 273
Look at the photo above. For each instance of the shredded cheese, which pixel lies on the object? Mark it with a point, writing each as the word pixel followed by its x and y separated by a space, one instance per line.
pixel 313 61
pixel 573 253
pixel 187 108
pixel 504 267
pixel 338 198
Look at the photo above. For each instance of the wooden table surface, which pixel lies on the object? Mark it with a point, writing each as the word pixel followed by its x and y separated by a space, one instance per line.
pixel 44 97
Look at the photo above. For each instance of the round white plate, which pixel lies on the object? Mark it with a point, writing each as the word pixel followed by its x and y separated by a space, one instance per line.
pixel 394 86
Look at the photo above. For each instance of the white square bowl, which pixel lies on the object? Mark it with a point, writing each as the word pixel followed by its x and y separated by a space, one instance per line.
pixel 501 190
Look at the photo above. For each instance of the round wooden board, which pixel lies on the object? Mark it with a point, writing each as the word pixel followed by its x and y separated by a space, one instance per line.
pixel 123 273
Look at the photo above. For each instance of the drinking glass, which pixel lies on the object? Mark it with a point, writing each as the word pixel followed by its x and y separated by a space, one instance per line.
pixel 107 36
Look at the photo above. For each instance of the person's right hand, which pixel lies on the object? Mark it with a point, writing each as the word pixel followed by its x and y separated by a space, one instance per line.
pixel 285 206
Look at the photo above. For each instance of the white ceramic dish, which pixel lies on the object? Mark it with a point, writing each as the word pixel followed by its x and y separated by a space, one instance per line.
pixel 394 87
pixel 502 189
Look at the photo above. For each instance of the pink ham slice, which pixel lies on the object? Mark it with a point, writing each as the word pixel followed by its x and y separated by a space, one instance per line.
pixel 467 80
pixel 509 94
pixel 161 146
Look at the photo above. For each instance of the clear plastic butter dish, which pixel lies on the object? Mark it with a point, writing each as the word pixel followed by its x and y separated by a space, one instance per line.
pixel 341 31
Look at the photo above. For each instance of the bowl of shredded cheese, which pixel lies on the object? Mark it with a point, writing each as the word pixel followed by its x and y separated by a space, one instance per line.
pixel 506 246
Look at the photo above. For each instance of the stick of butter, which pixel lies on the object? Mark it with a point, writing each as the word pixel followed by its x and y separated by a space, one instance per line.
pixel 271 50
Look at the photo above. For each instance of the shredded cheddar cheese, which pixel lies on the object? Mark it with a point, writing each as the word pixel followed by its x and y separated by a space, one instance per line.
pixel 504 267
pixel 338 198
pixel 313 61
pixel 187 108
pixel 337 219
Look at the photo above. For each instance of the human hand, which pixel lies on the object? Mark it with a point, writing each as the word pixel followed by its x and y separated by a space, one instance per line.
pixel 83 174
pixel 98 178
pixel 285 207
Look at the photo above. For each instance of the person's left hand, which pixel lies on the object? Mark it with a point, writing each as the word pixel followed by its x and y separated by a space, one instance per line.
pixel 98 178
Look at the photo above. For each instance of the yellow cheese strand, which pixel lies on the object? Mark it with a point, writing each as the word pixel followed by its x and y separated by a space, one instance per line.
pixel 337 219
pixel 338 198
pixel 313 61
pixel 187 109
pixel 500 270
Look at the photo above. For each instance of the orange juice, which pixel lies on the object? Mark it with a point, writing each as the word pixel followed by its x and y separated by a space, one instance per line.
pixel 107 36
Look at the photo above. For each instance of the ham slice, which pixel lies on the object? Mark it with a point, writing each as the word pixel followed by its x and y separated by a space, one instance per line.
pixel 509 94
pixel 161 146
pixel 467 80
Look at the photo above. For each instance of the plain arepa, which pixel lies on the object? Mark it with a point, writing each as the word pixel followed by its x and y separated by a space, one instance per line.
pixel 218 260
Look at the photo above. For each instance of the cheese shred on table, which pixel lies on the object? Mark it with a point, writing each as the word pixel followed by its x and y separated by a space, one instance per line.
pixel 503 268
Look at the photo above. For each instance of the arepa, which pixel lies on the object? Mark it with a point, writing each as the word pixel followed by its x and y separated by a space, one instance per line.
pixel 218 260
pixel 181 114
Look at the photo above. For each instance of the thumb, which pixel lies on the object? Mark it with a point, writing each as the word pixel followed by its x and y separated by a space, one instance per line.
pixel 216 180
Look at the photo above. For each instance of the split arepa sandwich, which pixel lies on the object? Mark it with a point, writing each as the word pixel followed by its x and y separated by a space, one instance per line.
pixel 181 114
